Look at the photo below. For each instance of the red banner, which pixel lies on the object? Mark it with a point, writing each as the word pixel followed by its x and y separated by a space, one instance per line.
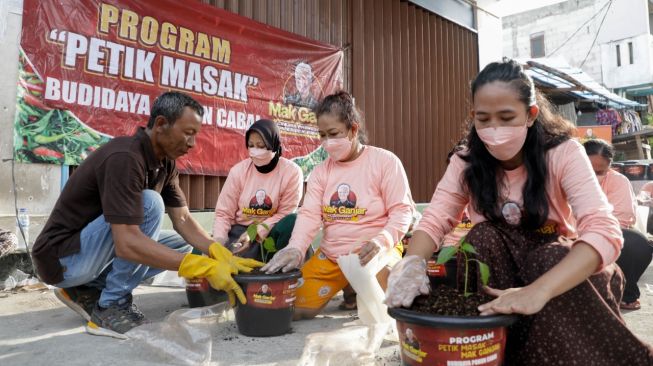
pixel 90 70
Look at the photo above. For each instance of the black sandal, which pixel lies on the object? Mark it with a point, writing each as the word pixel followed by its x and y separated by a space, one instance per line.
pixel 348 306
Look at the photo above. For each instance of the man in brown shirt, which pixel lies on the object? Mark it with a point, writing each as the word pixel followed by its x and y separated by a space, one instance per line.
pixel 104 234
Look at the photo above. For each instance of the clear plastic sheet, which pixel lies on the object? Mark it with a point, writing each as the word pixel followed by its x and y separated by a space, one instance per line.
pixel 17 279
pixel 184 337
pixel 350 346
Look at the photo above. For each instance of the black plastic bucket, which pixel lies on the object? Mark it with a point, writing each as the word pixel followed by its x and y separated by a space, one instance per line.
pixel 635 171
pixel 649 172
pixel 618 167
pixel 199 293
pixel 427 339
pixel 270 303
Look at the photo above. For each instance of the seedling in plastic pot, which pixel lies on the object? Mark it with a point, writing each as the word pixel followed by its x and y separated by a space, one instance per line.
pixel 268 246
pixel 467 250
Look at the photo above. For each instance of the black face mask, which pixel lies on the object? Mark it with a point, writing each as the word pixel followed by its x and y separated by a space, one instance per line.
pixel 270 167
pixel 270 134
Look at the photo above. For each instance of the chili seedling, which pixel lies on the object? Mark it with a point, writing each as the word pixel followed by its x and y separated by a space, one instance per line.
pixel 466 249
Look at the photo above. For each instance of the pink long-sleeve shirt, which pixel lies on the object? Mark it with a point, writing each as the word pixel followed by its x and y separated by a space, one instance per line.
pixel 621 196
pixel 249 196
pixel 357 201
pixel 577 206
pixel 459 231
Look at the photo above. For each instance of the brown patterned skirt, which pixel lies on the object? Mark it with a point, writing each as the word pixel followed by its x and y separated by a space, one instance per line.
pixel 580 327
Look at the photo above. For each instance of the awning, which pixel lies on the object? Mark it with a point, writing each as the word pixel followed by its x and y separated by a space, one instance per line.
pixel 555 75
pixel 641 90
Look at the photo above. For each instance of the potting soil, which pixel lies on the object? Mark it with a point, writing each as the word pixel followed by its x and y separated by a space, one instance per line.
pixel 444 300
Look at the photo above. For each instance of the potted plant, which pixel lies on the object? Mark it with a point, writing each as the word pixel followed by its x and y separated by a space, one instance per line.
pixel 198 291
pixel 445 326
pixel 270 297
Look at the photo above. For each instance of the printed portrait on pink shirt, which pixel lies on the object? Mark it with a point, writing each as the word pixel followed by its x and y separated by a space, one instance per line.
pixel 261 201
pixel 511 213
pixel 343 197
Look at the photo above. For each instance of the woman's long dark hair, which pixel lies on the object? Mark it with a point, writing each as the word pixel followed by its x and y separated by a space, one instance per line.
pixel 482 174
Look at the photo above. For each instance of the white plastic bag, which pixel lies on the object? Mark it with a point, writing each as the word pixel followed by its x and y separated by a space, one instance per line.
pixel 369 294
pixel 184 337
pixel 641 218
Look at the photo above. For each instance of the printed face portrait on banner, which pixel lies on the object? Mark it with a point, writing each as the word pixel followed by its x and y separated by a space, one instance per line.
pixel 305 93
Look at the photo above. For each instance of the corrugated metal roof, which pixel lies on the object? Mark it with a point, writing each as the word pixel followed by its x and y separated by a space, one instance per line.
pixel 556 73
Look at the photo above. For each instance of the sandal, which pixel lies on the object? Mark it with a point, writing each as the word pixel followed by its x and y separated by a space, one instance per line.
pixel 635 305
pixel 347 306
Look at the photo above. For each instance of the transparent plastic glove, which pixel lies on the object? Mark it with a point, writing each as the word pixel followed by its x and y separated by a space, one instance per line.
pixel 407 280
pixel 286 259
pixel 243 243
pixel 218 274
pixel 644 198
pixel 236 264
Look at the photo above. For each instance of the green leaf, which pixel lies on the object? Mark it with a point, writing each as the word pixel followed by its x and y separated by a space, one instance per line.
pixel 251 232
pixel 446 253
pixel 485 272
pixel 265 226
pixel 468 248
pixel 268 244
pixel 40 125
pixel 84 138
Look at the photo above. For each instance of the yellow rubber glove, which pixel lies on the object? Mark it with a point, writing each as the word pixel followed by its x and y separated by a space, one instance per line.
pixel 237 264
pixel 218 274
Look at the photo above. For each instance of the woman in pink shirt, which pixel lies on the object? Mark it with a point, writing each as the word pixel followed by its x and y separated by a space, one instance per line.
pixel 264 188
pixel 359 195
pixel 637 252
pixel 520 155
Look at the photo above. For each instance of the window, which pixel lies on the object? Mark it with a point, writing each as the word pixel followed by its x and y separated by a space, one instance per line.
pixel 630 52
pixel 618 56
pixel 537 45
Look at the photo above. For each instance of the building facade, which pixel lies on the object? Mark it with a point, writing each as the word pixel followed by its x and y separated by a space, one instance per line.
pixel 608 39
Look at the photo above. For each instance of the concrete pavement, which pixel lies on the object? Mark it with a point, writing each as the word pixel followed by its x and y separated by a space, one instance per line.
pixel 36 329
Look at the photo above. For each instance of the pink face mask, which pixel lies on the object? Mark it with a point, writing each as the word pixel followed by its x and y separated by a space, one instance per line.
pixel 260 157
pixel 338 149
pixel 503 142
